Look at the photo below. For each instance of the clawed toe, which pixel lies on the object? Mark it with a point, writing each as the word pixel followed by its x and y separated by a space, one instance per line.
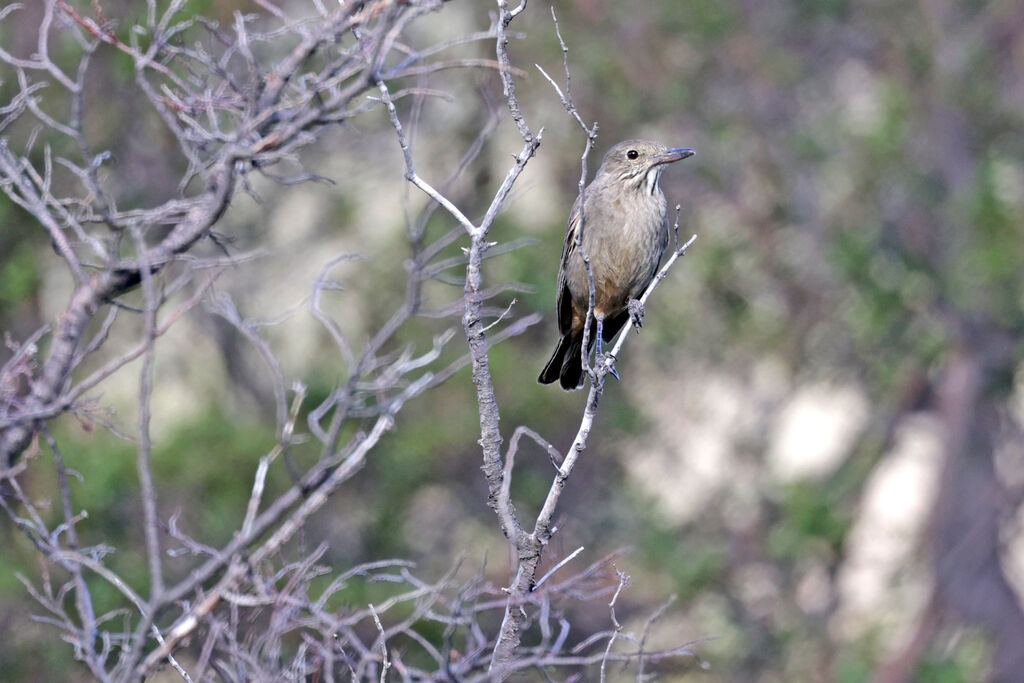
pixel 608 361
pixel 636 313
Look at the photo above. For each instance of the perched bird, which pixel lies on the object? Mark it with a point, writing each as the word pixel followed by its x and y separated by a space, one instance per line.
pixel 625 232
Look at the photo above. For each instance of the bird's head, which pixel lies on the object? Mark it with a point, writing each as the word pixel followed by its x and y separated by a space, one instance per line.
pixel 638 163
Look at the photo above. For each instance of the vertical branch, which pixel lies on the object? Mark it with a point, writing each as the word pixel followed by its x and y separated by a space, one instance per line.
pixel 473 324
pixel 490 435
pixel 83 597
pixel 148 490
pixel 591 134
pixel 472 319
pixel 623 582
pixel 508 85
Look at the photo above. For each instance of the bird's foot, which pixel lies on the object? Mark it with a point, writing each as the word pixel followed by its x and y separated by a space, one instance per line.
pixel 636 313
pixel 608 361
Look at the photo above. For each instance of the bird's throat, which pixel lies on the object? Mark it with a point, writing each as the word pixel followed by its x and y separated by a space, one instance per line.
pixel 653 176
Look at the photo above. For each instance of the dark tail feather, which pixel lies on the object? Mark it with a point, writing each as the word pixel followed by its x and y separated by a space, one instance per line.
pixel 554 367
pixel 571 375
pixel 565 364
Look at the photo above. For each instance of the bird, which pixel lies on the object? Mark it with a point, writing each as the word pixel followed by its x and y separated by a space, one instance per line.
pixel 625 233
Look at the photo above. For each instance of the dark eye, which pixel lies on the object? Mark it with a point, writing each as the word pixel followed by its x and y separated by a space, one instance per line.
pixel 632 154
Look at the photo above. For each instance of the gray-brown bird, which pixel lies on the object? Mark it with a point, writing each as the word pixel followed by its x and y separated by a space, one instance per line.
pixel 625 232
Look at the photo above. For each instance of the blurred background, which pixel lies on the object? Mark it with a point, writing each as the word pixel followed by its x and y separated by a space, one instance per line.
pixel 816 444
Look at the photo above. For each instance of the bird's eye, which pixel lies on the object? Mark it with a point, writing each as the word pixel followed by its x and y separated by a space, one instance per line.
pixel 632 154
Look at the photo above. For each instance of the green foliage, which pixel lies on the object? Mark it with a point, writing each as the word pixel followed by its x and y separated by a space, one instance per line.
pixel 213 459
pixel 834 9
pixel 963 662
pixel 707 21
pixel 856 664
pixel 210 460
pixel 693 561
pixel 19 276
pixel 813 521
pixel 991 277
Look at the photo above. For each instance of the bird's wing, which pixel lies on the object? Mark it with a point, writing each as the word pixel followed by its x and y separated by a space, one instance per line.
pixel 563 303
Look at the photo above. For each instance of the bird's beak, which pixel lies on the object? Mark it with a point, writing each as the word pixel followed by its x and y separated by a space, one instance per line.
pixel 673 155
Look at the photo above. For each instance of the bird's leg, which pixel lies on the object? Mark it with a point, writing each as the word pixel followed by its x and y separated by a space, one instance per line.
pixel 636 313
pixel 599 357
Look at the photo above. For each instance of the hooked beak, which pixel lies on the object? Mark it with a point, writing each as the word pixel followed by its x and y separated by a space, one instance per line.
pixel 673 155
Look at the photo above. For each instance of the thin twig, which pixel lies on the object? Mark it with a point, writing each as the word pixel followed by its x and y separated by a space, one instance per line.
pixel 558 566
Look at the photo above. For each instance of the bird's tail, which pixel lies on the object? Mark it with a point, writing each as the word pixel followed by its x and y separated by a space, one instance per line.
pixel 566 363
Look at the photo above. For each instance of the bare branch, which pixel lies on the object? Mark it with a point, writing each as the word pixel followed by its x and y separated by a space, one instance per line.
pixel 248 97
